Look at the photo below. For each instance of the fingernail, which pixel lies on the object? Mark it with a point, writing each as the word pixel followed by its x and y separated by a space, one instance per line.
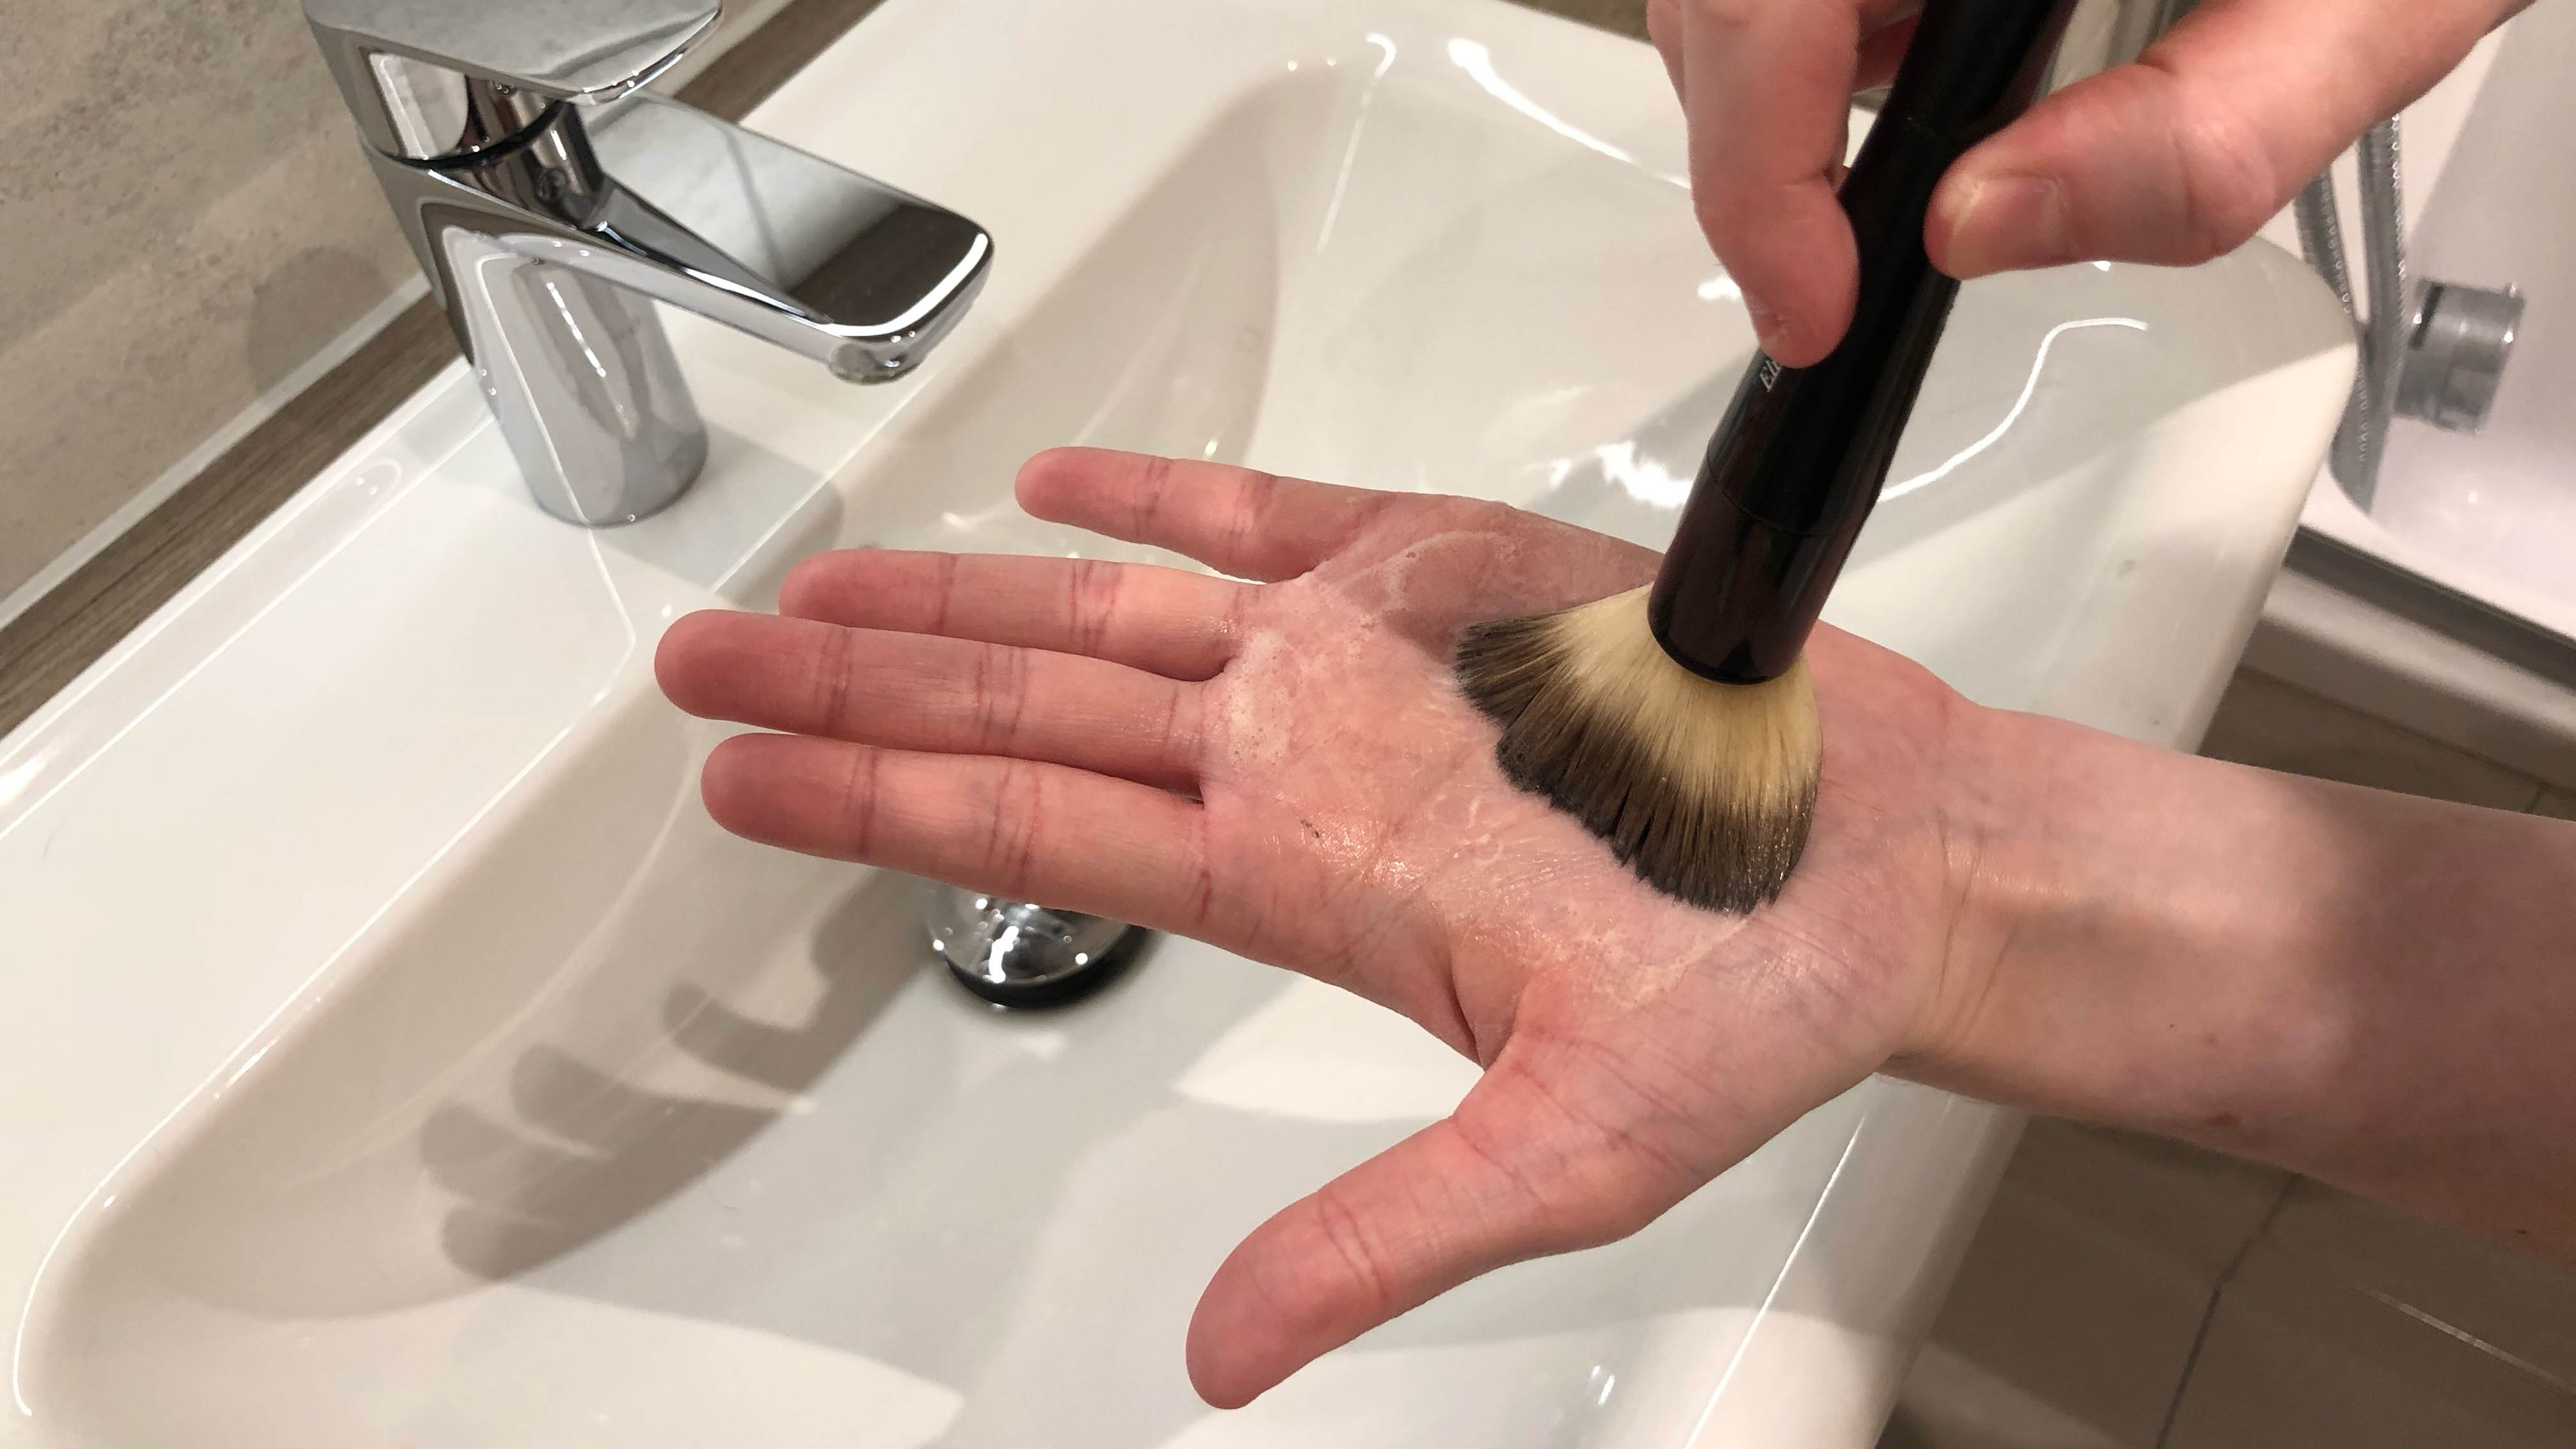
pixel 2006 222
pixel 1766 323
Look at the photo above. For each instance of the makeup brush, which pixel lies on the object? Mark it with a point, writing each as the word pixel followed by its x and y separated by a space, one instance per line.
pixel 1677 721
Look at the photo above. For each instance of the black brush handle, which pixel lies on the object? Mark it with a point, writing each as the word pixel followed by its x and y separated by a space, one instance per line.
pixel 1803 451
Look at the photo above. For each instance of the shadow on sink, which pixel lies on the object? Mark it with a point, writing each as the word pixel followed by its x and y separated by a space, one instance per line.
pixel 562 987
pixel 588 1151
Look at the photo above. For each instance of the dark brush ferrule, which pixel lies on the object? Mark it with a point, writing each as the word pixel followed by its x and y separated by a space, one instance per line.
pixel 1793 470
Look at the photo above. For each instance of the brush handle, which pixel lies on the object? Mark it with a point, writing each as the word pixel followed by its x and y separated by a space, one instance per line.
pixel 1798 461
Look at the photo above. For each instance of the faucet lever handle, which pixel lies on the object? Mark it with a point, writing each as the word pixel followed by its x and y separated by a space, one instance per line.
pixel 432 80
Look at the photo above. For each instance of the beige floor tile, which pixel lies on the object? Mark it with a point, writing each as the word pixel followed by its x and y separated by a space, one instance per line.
pixel 2516 1306
pixel 2264 722
pixel 2080 1297
pixel 1951 1403
pixel 2195 1208
pixel 2297 1358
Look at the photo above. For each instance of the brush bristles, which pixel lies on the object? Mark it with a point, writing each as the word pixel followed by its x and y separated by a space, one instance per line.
pixel 1704 789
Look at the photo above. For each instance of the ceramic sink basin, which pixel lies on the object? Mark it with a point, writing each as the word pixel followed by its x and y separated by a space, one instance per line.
pixel 394 1054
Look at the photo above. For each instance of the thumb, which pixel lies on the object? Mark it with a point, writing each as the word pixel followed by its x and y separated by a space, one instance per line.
pixel 1511 1175
pixel 2181 156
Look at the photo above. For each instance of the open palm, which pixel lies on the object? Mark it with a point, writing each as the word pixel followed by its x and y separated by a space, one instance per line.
pixel 1285 769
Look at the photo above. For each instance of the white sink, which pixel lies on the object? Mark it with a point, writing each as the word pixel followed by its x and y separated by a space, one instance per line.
pixel 394 1054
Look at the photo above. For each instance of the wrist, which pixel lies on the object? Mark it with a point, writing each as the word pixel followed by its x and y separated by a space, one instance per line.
pixel 1989 892
pixel 2131 931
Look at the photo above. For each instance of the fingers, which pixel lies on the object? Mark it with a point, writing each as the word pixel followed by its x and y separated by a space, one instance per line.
pixel 1044 833
pixel 1164 620
pixel 2175 159
pixel 922 692
pixel 2183 155
pixel 1511 1176
pixel 1234 520
pixel 1766 89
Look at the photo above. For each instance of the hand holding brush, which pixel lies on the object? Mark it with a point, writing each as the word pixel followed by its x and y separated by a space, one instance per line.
pixel 2173 158
pixel 2364 987
pixel 1677 722
pixel 1285 768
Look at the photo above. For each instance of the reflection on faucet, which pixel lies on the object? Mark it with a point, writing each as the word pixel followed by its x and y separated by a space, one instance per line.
pixel 597 1150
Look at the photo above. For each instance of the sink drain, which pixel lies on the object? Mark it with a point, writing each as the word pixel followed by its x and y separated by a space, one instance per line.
pixel 1012 953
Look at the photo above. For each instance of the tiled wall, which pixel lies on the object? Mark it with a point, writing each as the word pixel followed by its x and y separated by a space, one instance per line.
pixel 188 230
pixel 186 221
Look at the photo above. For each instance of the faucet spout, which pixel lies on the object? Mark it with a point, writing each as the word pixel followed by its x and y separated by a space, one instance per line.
pixel 848 271
pixel 548 224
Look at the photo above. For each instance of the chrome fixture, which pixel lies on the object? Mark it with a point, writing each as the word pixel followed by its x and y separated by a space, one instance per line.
pixel 2458 339
pixel 1014 954
pixel 2380 328
pixel 551 202
pixel 2433 351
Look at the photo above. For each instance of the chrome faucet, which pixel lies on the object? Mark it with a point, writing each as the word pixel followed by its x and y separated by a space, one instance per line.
pixel 551 201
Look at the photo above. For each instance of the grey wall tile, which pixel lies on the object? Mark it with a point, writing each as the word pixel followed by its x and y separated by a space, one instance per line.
pixel 186 218
pixel 143 363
